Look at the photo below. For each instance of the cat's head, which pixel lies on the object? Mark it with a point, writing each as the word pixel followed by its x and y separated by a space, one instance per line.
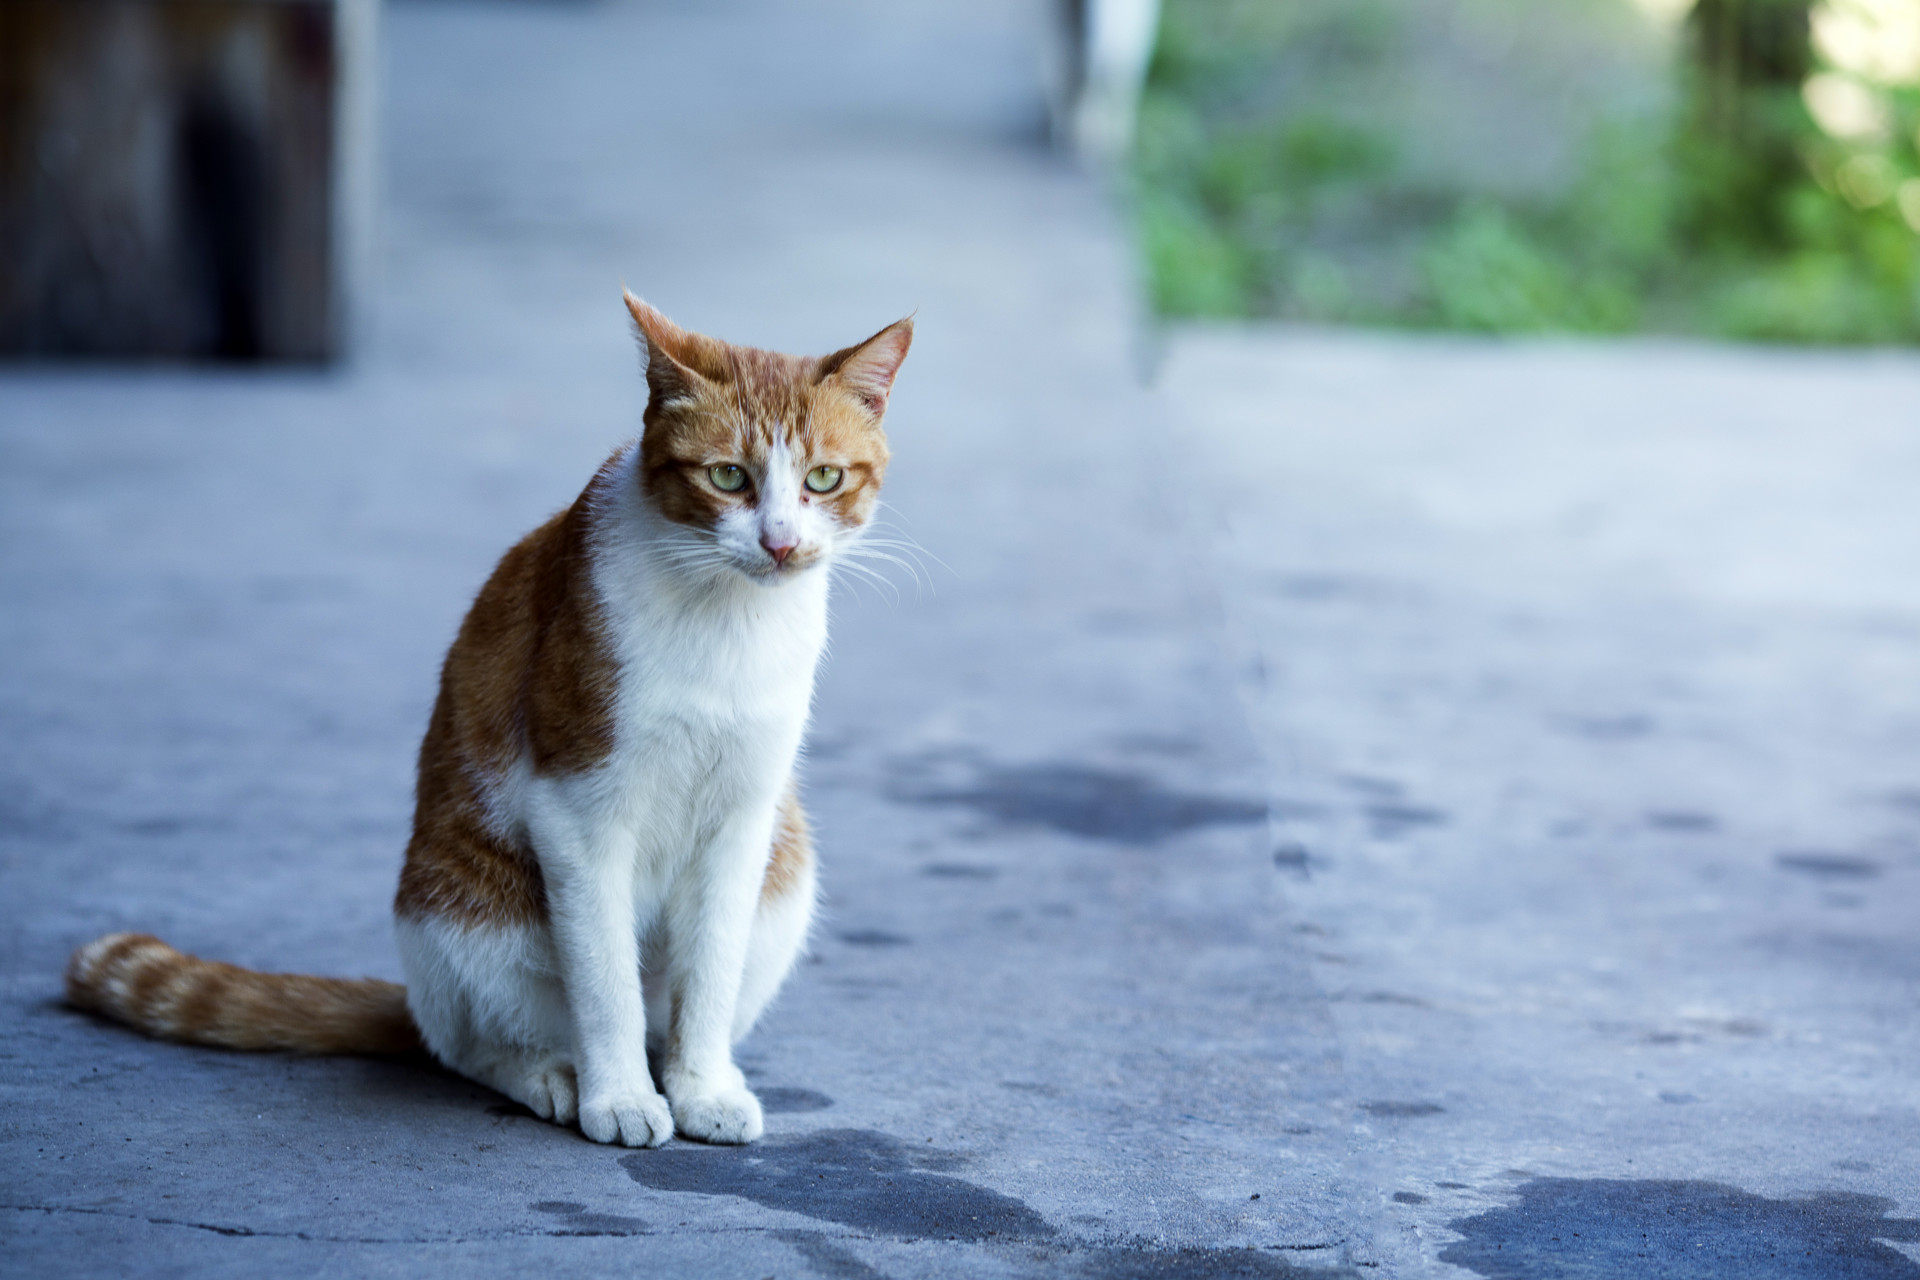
pixel 770 462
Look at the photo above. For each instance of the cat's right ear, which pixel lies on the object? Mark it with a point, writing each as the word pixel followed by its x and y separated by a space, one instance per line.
pixel 668 347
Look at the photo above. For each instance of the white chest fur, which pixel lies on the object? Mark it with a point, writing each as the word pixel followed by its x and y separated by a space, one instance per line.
pixel 714 679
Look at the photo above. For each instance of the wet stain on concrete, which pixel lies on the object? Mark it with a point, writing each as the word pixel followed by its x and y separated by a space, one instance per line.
pixel 1393 997
pixel 1028 1086
pixel 1319 586
pixel 1090 1261
pixel 1620 728
pixel 167 826
pixel 959 871
pixel 828 749
pixel 39 822
pixel 783 1101
pixel 1187 1264
pixel 1576 1228
pixel 1157 744
pixel 1828 866
pixel 1390 821
pixel 1735 1026
pixel 577 1221
pixel 857 1177
pixel 1898 957
pixel 1682 821
pixel 1696 1032
pixel 1127 808
pixel 1402 1110
pixel 873 938
pixel 827 1259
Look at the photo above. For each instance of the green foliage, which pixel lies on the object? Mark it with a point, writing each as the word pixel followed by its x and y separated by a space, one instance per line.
pixel 1726 212
pixel 1484 270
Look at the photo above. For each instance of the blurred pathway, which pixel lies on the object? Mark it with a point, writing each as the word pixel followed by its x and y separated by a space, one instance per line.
pixel 1591 677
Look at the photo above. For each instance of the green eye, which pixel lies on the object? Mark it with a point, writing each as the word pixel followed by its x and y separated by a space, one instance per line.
pixel 823 479
pixel 727 479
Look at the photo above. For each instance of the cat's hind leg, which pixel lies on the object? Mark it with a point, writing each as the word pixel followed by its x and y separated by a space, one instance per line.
pixel 543 1083
pixel 782 918
pixel 489 1005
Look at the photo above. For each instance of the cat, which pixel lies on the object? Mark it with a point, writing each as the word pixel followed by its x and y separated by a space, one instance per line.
pixel 609 857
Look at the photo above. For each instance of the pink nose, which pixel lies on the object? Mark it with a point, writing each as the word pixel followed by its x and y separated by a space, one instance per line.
pixel 779 551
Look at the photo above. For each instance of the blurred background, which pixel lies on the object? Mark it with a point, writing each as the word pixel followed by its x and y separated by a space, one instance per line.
pixel 1345 794
pixel 1740 168
pixel 197 177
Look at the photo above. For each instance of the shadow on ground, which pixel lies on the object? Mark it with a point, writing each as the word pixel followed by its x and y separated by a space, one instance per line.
pixel 877 1184
pixel 1572 1228
pixel 856 1177
pixel 1097 804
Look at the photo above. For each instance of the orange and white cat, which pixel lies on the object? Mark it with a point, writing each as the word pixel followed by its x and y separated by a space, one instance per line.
pixel 609 857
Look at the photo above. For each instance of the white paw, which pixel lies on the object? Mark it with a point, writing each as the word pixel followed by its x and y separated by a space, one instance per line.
pixel 551 1091
pixel 633 1119
pixel 729 1116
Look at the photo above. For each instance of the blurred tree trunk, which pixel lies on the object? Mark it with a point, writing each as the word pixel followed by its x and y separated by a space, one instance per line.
pixel 1741 148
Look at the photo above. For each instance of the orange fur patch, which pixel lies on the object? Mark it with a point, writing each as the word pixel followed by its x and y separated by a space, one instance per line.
pixel 529 671
pixel 792 848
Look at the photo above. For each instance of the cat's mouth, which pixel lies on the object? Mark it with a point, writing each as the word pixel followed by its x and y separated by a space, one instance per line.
pixel 768 573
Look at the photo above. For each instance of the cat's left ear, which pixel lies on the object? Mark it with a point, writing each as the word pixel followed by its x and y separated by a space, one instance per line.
pixel 670 353
pixel 867 369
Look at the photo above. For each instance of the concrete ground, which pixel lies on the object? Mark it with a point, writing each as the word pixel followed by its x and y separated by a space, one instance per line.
pixel 1365 806
pixel 1588 679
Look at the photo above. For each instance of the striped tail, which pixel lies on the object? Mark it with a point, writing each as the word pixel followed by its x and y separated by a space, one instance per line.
pixel 139 980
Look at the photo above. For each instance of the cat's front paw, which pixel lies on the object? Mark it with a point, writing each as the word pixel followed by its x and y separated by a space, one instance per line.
pixel 632 1120
pixel 730 1116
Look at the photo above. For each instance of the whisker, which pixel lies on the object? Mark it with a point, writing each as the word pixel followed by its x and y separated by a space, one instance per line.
pixel 891 510
pixel 905 557
pixel 883 533
pixel 866 576
pixel 887 557
pixel 854 565
pixel 913 567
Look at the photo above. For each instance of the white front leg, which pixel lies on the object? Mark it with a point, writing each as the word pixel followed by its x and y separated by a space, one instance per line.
pixel 589 873
pixel 710 928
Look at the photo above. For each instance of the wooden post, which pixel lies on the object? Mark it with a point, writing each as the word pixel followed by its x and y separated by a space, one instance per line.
pixel 183 178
